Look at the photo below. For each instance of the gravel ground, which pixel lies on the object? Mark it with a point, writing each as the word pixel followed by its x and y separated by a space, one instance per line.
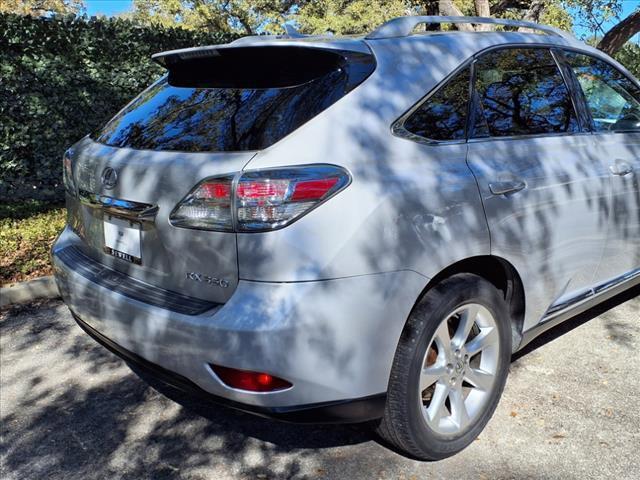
pixel 72 410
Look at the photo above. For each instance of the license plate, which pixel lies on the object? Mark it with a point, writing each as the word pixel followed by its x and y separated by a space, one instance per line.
pixel 122 239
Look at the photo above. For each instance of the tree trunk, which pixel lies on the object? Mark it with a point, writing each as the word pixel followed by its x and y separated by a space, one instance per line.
pixel 615 38
pixel 448 9
pixel 431 7
pixel 483 10
pixel 533 14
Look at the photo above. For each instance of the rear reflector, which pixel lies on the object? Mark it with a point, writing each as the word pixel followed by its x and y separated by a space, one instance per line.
pixel 313 189
pixel 263 200
pixel 250 381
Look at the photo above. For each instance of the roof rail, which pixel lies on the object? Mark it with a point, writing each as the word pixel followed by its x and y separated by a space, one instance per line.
pixel 291 31
pixel 403 26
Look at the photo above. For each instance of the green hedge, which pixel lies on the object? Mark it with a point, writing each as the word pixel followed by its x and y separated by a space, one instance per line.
pixel 60 78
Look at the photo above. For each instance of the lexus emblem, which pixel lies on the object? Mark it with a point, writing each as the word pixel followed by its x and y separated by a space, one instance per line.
pixel 109 178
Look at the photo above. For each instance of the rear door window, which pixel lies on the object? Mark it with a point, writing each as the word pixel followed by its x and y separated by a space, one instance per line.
pixel 522 92
pixel 612 98
pixel 244 98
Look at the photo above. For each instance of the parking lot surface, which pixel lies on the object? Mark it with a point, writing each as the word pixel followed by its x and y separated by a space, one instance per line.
pixel 72 410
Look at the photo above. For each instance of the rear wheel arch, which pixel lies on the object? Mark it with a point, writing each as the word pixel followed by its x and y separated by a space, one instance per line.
pixel 503 275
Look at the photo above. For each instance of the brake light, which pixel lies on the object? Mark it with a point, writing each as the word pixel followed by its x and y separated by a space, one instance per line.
pixel 251 381
pixel 260 200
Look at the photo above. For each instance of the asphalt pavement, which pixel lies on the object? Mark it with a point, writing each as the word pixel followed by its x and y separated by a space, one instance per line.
pixel 69 409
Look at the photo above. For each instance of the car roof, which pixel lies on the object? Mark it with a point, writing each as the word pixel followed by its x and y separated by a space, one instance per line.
pixel 396 31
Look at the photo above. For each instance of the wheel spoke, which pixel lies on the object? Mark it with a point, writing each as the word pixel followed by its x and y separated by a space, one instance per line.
pixel 479 379
pixel 431 375
pixel 467 319
pixel 487 337
pixel 443 339
pixel 437 409
pixel 458 408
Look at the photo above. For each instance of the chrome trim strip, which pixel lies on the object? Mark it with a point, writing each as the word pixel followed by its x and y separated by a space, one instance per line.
pixel 557 308
pixel 605 291
pixel 627 277
pixel 594 293
pixel 118 207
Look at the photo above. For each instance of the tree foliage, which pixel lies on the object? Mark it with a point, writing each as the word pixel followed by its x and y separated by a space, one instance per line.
pixel 347 17
pixel 226 16
pixel 629 56
pixel 63 77
pixel 41 8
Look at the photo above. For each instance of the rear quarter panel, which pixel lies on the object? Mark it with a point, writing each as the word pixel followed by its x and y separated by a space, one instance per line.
pixel 410 206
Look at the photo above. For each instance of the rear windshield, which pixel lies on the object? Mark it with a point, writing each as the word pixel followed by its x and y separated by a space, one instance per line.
pixel 241 99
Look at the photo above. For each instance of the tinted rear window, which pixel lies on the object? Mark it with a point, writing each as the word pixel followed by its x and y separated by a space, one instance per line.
pixel 242 99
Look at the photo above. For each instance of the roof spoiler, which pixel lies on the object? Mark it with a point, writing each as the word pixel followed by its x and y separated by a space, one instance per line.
pixel 170 57
pixel 403 26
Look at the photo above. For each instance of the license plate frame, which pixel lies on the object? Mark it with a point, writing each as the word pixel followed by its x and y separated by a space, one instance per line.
pixel 122 238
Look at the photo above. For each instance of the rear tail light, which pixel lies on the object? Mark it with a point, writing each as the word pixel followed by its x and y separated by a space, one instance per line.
pixel 207 207
pixel 251 381
pixel 67 174
pixel 260 200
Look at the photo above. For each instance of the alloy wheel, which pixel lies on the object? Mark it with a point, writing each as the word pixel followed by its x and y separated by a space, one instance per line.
pixel 459 369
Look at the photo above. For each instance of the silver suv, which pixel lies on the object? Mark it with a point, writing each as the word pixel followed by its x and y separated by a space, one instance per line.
pixel 326 229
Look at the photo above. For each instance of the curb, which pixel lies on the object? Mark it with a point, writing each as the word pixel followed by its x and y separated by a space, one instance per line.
pixel 23 292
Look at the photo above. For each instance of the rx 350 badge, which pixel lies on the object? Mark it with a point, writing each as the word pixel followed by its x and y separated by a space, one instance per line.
pixel 200 277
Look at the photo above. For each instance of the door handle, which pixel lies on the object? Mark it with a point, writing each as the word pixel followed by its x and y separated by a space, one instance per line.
pixel 507 187
pixel 621 168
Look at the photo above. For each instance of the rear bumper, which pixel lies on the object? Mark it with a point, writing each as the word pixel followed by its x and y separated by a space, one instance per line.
pixel 333 340
pixel 341 411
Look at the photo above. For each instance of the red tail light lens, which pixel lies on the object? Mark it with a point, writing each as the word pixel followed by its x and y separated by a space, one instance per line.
pixel 251 381
pixel 263 200
pixel 207 207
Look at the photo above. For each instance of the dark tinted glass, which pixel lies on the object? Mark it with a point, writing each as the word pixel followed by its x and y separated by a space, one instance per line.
pixel 229 104
pixel 613 99
pixel 521 92
pixel 444 115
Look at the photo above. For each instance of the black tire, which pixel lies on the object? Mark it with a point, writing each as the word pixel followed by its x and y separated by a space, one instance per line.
pixel 403 425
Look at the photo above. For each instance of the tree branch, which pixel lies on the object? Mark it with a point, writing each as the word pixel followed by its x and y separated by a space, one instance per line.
pixel 615 38
pixel 504 5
